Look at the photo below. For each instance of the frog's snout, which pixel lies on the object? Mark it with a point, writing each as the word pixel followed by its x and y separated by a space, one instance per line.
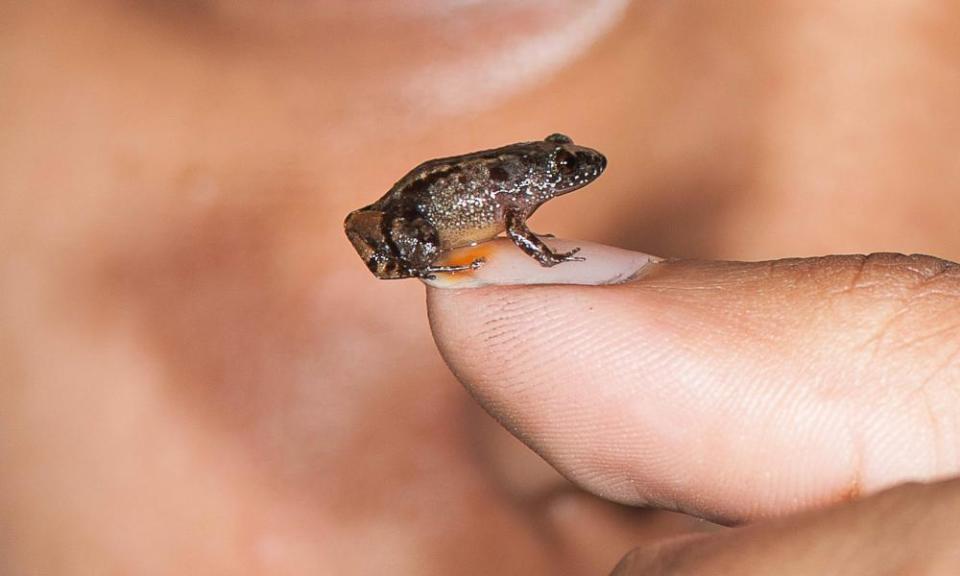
pixel 593 162
pixel 601 162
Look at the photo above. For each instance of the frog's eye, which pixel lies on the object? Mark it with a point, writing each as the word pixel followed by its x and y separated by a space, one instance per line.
pixel 566 162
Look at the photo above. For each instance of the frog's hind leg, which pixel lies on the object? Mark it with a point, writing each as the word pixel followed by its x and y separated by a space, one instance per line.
pixel 431 272
pixel 533 246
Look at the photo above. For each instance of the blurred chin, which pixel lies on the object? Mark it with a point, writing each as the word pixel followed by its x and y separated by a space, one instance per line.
pixel 457 55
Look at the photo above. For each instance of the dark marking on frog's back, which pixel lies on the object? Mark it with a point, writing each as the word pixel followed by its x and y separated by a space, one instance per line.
pixel 498 173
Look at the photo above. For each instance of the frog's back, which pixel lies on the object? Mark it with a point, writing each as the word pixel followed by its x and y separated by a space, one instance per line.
pixel 463 173
pixel 461 196
pixel 465 197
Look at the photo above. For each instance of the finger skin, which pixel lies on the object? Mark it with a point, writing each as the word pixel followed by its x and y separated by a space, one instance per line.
pixel 730 390
pixel 911 529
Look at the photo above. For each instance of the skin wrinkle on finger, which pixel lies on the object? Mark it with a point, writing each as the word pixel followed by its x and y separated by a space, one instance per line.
pixel 918 279
pixel 635 390
pixel 897 273
pixel 914 283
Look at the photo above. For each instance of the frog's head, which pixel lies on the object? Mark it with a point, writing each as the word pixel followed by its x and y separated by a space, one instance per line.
pixel 571 166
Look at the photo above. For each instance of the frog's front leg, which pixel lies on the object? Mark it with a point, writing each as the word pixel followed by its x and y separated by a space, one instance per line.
pixel 532 245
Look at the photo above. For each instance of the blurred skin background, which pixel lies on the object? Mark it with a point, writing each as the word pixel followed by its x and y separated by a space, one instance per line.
pixel 197 373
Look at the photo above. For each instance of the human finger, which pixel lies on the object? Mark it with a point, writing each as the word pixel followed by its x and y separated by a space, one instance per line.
pixel 730 390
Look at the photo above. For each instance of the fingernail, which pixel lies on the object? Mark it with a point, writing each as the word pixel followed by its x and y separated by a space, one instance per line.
pixel 505 264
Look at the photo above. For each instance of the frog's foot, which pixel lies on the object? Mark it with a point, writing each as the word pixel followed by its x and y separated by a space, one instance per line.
pixel 548 258
pixel 431 272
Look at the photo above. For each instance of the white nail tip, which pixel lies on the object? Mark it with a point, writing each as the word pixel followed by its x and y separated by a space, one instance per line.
pixel 505 264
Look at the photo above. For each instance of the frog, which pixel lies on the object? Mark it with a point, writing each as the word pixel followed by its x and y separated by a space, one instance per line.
pixel 459 201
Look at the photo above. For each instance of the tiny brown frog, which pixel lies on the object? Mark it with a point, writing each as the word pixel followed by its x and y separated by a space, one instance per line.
pixel 463 200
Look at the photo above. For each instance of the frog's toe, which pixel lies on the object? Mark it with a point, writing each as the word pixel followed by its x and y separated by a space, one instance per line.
pixel 570 256
pixel 553 258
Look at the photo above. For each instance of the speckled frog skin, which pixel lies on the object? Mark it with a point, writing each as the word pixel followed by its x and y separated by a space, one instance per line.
pixel 462 200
